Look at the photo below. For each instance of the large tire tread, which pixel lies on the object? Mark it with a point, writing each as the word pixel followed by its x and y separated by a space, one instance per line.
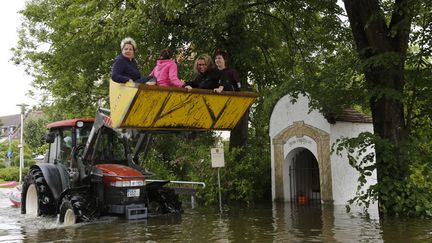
pixel 166 201
pixel 84 210
pixel 46 202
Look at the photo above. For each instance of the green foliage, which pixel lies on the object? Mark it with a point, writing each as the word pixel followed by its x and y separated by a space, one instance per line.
pixel 185 156
pixel 409 197
pixel 83 38
pixel 28 157
pixel 247 180
pixel 12 173
pixel 361 156
pixel 34 131
pixel 182 157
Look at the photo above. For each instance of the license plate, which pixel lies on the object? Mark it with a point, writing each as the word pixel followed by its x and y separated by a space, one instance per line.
pixel 133 192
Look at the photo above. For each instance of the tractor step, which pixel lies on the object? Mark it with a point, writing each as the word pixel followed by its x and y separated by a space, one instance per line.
pixel 136 211
pixel 133 211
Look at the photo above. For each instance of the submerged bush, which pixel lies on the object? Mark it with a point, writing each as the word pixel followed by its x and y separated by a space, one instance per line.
pixel 188 158
pixel 12 173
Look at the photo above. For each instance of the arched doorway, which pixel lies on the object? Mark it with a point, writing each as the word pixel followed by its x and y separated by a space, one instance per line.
pixel 303 176
pixel 301 132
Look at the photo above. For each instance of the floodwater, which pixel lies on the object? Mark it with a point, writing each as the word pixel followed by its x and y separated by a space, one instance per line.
pixel 263 223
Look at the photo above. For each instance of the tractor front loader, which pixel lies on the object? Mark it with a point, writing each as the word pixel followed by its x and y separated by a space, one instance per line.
pixel 89 169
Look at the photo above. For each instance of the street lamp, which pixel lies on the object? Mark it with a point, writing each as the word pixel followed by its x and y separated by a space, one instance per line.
pixel 21 145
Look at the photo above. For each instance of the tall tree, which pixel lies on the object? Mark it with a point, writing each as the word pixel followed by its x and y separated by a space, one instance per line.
pixel 381 31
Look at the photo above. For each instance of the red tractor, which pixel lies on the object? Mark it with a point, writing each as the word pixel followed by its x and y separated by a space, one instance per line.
pixel 90 171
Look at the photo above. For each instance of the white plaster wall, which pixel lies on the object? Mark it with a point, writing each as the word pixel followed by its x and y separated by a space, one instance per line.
pixel 272 170
pixel 285 113
pixel 344 177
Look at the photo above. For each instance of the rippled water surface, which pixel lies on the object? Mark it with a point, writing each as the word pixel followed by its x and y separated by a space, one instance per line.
pixel 262 223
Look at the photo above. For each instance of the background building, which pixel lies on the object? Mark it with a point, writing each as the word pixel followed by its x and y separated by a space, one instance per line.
pixel 304 168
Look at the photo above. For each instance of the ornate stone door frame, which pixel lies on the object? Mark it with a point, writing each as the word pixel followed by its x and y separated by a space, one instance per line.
pixel 322 139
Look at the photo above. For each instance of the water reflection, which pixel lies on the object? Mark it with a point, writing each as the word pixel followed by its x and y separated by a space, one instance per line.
pixel 293 221
pixel 271 222
pixel 408 230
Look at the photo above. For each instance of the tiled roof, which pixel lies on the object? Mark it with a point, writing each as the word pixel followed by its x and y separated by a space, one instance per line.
pixel 352 115
pixel 12 120
pixel 15 121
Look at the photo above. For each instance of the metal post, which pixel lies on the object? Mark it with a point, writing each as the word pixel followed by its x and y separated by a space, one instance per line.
pixel 220 196
pixel 23 107
pixel 218 160
pixel 193 200
pixel 21 148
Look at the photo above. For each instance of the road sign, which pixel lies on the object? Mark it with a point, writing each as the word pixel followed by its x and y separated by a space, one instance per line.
pixel 9 154
pixel 217 157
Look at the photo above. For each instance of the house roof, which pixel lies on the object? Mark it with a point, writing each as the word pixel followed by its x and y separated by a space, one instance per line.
pixel 11 120
pixel 352 115
pixel 15 121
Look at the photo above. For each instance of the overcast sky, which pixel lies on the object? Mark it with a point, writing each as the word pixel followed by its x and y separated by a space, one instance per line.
pixel 14 82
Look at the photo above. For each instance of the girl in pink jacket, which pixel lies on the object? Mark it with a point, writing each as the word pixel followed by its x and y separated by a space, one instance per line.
pixel 166 70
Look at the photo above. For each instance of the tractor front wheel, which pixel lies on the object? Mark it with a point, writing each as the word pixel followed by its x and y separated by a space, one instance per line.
pixel 76 209
pixel 36 197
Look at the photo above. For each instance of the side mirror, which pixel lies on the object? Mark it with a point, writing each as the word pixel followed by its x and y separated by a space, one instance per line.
pixel 49 137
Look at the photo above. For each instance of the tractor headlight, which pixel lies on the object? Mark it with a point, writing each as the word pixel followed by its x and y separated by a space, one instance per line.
pixel 127 183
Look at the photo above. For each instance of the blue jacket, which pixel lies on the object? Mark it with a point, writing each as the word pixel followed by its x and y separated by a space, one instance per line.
pixel 124 69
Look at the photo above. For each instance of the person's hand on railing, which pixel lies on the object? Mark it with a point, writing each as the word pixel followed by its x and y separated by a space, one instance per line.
pixel 218 90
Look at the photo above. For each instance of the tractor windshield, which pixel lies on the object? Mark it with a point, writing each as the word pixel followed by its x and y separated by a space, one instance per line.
pixel 110 147
pixel 82 134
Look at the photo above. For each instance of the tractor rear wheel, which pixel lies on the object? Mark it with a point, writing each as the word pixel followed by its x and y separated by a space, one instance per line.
pixel 163 200
pixel 172 202
pixel 36 197
pixel 76 209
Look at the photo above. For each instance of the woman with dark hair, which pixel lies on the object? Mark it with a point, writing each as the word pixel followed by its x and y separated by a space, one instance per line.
pixel 165 71
pixel 222 63
pixel 125 67
pixel 208 76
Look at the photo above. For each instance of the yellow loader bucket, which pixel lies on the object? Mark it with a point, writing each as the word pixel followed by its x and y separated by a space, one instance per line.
pixel 153 107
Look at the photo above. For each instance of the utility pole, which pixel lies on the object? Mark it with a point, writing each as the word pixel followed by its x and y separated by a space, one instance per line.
pixel 21 146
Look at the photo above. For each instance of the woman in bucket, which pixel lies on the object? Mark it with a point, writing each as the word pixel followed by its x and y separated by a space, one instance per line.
pixel 165 71
pixel 222 63
pixel 125 67
pixel 208 76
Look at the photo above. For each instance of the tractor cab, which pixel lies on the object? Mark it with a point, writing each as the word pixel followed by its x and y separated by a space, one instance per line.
pixel 68 138
pixel 63 137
